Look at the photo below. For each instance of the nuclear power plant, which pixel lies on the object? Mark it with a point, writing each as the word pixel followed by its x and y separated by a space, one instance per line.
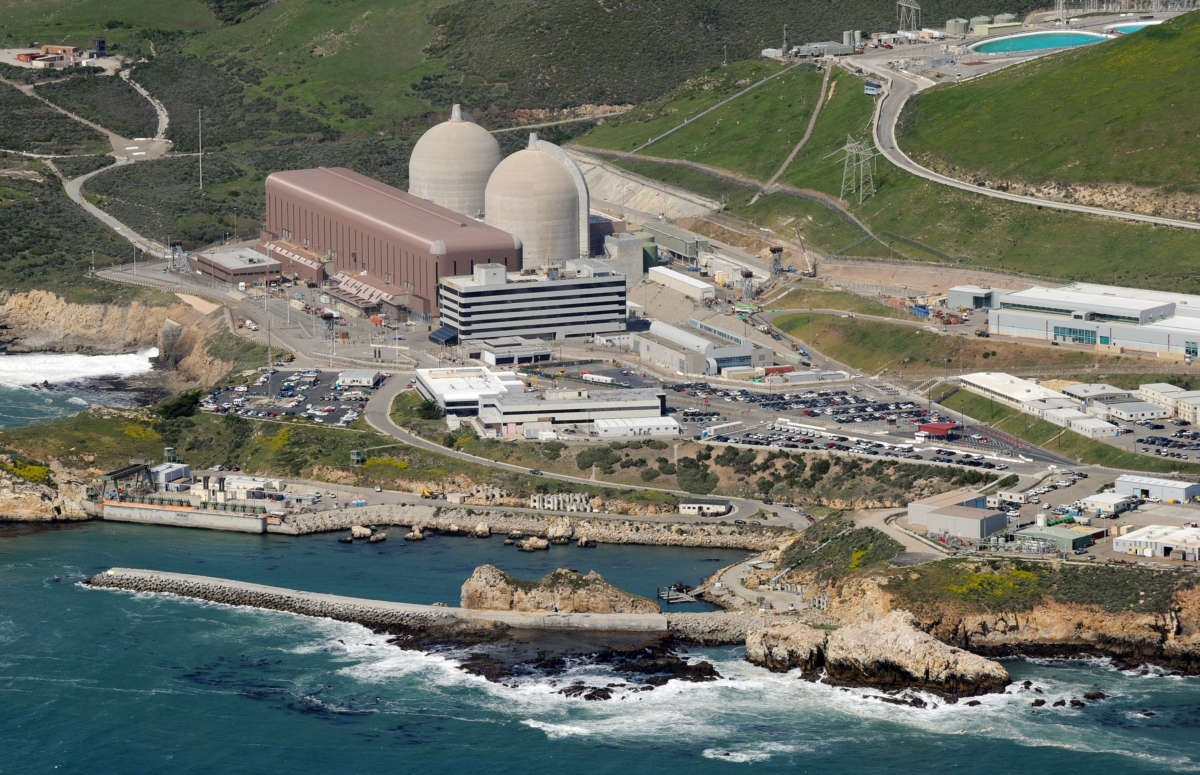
pixel 387 250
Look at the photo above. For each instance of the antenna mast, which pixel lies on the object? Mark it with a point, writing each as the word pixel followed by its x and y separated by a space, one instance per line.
pixel 200 136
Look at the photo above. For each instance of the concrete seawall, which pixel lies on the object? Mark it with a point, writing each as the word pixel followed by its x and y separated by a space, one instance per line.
pixel 708 628
pixel 198 518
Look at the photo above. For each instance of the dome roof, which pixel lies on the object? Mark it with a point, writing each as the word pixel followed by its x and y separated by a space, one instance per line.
pixel 451 163
pixel 533 196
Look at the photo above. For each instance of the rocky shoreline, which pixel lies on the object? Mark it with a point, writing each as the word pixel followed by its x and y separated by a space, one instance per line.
pixel 890 654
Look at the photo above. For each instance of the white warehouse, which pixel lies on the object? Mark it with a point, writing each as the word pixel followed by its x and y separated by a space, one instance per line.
pixel 1166 490
pixel 1179 543
pixel 693 287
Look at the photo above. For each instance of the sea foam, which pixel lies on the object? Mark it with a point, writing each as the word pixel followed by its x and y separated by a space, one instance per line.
pixel 28 369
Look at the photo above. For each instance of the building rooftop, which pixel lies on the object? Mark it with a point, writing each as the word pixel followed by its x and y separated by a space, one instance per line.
pixel 240 258
pixel 1049 533
pixel 682 277
pixel 1010 387
pixel 468 383
pixel 951 498
pixel 1086 390
pixel 1136 406
pixel 1166 534
pixel 1162 387
pixel 560 396
pixel 575 269
pixel 967 512
pixel 634 422
pixel 1081 296
pixel 391 210
pixel 1153 481
pixel 1108 496
pixel 977 289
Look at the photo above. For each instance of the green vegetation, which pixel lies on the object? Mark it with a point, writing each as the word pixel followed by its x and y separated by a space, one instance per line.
pixel 914 219
pixel 1007 481
pixel 1056 439
pixel 871 345
pixel 106 100
pixel 242 353
pixel 32 126
pixel 1002 585
pixel 47 243
pixel 159 198
pixel 29 471
pixel 833 548
pixel 1082 116
pixel 815 298
pixel 82 165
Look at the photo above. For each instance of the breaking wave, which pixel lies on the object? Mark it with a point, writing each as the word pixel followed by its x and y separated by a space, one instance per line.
pixel 24 370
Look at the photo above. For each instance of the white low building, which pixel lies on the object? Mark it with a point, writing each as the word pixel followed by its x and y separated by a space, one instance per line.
pixel 1161 393
pixel 1107 504
pixel 1009 390
pixel 660 427
pixel 690 286
pixel 508 413
pixel 1180 543
pixel 367 378
pixel 460 390
pixel 1166 490
pixel 703 507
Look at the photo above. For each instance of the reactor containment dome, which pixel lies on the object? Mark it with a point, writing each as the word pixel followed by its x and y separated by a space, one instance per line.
pixel 539 195
pixel 451 163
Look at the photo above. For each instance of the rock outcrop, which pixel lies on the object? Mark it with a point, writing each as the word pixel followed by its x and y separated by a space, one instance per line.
pixel 889 653
pixel 24 501
pixel 563 591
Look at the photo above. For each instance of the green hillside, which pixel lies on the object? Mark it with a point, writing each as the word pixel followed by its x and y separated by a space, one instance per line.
pixel 911 218
pixel 302 70
pixel 1123 111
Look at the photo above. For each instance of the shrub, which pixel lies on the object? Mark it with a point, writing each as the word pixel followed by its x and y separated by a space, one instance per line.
pixel 649 475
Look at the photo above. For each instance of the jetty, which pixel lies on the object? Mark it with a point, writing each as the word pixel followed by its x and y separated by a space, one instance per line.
pixel 710 628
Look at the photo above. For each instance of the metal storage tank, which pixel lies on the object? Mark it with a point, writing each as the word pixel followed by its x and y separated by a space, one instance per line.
pixel 535 197
pixel 957 26
pixel 858 36
pixel 451 163
pixel 1005 18
pixel 847 37
pixel 976 21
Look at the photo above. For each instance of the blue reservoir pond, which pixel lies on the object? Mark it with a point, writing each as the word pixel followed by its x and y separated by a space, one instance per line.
pixel 101 681
pixel 1037 41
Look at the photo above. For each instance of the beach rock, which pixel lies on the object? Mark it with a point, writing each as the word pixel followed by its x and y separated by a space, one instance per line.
pixel 564 591
pixel 585 543
pixel 1095 696
pixel 560 529
pixel 1059 704
pixel 783 647
pixel 377 538
pixel 892 652
pixel 415 534
pixel 1078 703
pixel 358 531
pixel 482 530
pixel 533 544
pixel 1038 703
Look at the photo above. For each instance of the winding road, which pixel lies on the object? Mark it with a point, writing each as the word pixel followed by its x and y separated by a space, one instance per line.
pixel 901 87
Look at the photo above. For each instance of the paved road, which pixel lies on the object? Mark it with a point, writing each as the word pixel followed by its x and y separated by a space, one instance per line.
pixel 164 119
pixel 378 416
pixel 901 87
pixel 74 189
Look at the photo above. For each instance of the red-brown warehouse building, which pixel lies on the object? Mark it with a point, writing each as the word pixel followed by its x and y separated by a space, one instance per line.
pixel 387 247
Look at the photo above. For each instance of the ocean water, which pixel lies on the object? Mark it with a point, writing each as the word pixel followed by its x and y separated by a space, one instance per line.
pixel 114 682
pixel 43 386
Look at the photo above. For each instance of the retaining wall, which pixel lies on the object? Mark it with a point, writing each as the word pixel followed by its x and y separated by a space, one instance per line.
pixel 208 520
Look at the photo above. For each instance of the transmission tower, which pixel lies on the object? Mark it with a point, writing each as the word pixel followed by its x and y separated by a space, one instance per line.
pixel 908 15
pixel 858 169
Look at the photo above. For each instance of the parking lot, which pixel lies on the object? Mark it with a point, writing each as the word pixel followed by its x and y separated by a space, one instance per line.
pixel 308 394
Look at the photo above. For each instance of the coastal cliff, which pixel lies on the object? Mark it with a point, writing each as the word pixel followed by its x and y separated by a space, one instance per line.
pixel 563 591
pixel 889 653
pixel 25 501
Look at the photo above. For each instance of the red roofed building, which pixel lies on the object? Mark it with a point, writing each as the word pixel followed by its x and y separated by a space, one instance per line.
pixel 942 430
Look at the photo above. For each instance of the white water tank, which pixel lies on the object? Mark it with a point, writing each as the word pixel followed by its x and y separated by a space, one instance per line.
pixel 1040 519
pixel 451 163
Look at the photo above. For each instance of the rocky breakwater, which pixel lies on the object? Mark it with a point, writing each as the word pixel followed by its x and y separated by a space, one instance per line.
pixel 25 501
pixel 890 653
pixel 564 591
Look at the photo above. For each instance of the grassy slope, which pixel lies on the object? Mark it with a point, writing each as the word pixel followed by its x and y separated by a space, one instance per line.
pixel 76 22
pixel 1121 111
pixel 870 346
pixel 751 135
pixel 1053 438
pixel 815 298
pixel 920 220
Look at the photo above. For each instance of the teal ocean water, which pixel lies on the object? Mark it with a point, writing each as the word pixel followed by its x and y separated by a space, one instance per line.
pixel 35 387
pixel 111 682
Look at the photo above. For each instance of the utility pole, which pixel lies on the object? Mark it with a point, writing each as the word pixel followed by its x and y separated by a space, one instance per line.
pixel 200 142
